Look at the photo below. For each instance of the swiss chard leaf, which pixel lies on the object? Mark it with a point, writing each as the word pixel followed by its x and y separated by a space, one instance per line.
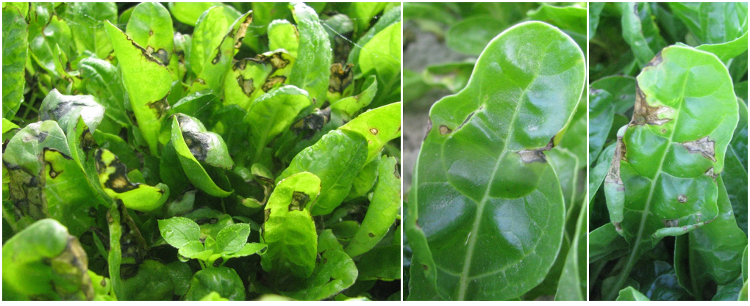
pixel 470 224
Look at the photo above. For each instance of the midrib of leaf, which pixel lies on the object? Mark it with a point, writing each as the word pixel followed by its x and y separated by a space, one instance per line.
pixel 646 211
pixel 464 279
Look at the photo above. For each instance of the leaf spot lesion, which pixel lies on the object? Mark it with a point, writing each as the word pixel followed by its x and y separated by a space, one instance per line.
pixel 704 146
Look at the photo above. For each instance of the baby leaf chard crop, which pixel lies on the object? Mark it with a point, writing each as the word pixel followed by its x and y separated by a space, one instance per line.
pixel 200 151
pixel 668 185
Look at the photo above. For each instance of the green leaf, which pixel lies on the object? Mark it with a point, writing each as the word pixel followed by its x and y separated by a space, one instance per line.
pixel 381 56
pixel 608 96
pixel 195 249
pixel 221 280
pixel 573 279
pixel 378 126
pixel 207 36
pixel 335 159
pixel 383 263
pixel 658 184
pixel 151 283
pixel 247 250
pixel 102 80
pixel 44 262
pixel 272 113
pixel 472 34
pixel 364 181
pixel 218 59
pixel 147 82
pixel 232 238
pixel 640 31
pixel 728 50
pixel 311 71
pixel 67 109
pixel 205 147
pixel 630 294
pixel 113 179
pixel 362 13
pixel 283 35
pixel 352 104
pixel 181 274
pixel 87 24
pixel 15 39
pixel 288 229
pixel 46 33
pixel 722 22
pixel 711 253
pixel 390 17
pixel 452 76
pixel 150 26
pixel 335 273
pixel 69 197
pixel 25 148
pixel 382 211
pixel 606 244
pixel 179 231
pixel 571 18
pixel 595 10
pixel 482 212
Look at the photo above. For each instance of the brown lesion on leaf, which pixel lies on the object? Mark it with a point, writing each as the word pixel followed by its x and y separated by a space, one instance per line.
pixel 613 174
pixel 132 243
pixel 71 266
pixel 246 85
pixel 299 201
pixel 671 222
pixel 374 131
pixel 271 81
pixel 26 192
pixel 200 81
pixel 646 114
pixel 341 77
pixel 536 155
pixel 704 146
pixel 682 198
pixel 117 181
pixel 445 130
pixel 655 61
pixel 241 31
pixel 618 226
pixel 159 106
pixel 87 142
pixel 217 58
pixel 397 171
pixel 710 173
pixel 145 52
pixel 312 123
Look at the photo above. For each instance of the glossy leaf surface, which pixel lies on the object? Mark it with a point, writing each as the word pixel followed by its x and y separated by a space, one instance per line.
pixel 479 220
pixel 662 178
pixel 15 39
pixel 311 70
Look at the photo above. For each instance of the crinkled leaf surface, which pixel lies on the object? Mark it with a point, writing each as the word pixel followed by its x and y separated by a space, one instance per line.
pixel 662 180
pixel 311 70
pixel 283 35
pixel 218 57
pixel 288 229
pixel 335 273
pixel 15 39
pixel 486 223
pixel 87 24
pixel 273 113
pixel 250 78
pixel 44 262
pixel 222 280
pixel 335 159
pixel 713 252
